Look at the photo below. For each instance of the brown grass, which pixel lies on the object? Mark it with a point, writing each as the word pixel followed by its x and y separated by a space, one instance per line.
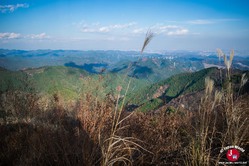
pixel 82 136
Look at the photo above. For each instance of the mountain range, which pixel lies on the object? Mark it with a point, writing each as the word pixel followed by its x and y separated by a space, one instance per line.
pixel 63 107
pixel 142 94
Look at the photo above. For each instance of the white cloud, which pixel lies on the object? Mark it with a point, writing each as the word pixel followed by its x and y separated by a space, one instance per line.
pixel 132 29
pixel 165 29
pixel 169 30
pixel 211 21
pixel 9 35
pixel 139 31
pixel 178 32
pixel 120 26
pixel 104 29
pixel 94 28
pixel 38 36
pixel 201 22
pixel 168 27
pixel 87 29
pixel 12 8
pixel 19 36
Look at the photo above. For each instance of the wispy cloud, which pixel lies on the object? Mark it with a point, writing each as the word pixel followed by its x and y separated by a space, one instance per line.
pixel 178 32
pixel 13 35
pixel 139 30
pixel 161 29
pixel 201 22
pixel 132 28
pixel 93 28
pixel 12 8
pixel 10 35
pixel 211 21
pixel 170 30
pixel 38 36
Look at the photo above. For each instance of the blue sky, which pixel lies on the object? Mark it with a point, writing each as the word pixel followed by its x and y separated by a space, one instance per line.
pixel 122 25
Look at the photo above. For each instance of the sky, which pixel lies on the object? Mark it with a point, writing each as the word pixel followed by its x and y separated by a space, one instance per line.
pixel 122 24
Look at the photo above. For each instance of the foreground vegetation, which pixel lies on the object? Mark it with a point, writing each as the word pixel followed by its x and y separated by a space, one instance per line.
pixel 101 128
pixel 101 132
pixel 60 137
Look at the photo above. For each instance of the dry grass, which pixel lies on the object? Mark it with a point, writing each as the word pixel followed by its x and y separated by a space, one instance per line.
pixel 204 124
pixel 148 38
pixel 221 121
pixel 118 149
pixel 94 134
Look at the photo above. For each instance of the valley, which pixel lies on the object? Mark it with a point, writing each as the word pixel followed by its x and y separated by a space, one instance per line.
pixel 155 79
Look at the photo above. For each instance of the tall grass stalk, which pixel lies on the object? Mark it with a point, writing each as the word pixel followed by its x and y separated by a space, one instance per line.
pixel 200 148
pixel 118 149
pixel 220 120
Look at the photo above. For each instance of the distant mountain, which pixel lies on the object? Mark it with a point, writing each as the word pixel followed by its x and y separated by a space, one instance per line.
pixel 156 69
pixel 19 59
pixel 142 95
pixel 156 78
pixel 115 60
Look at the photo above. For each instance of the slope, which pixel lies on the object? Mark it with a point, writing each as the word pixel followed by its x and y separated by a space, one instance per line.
pixel 164 91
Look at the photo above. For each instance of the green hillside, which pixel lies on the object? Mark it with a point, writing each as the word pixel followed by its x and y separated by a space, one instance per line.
pixel 70 83
pixel 10 80
pixel 73 83
pixel 163 91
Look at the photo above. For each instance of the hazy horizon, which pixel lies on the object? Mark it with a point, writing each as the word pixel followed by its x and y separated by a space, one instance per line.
pixel 113 25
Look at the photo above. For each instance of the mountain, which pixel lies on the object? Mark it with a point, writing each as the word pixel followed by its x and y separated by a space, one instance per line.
pixel 143 94
pixel 20 59
pixel 152 66
pixel 155 69
pixel 76 103
pixel 71 83
pixel 182 88
pixel 12 80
